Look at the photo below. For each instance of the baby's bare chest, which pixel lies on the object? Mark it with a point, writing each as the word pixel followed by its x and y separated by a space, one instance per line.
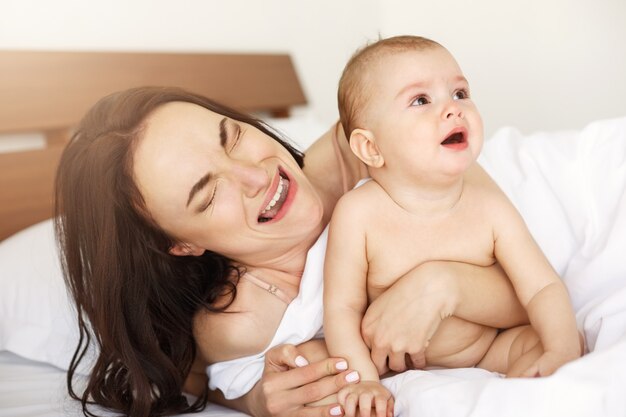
pixel 399 242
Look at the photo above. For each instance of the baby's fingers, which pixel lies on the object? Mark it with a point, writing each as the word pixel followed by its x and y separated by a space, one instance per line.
pixel 390 406
pixel 349 404
pixel 531 372
pixel 365 404
pixel 383 406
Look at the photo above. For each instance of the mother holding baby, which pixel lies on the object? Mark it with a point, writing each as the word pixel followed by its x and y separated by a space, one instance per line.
pixel 186 231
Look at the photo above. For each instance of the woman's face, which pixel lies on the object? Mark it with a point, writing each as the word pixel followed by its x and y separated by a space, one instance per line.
pixel 214 183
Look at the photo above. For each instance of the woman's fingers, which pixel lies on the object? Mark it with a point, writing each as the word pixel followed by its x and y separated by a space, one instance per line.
pixel 397 361
pixel 320 389
pixel 418 360
pixel 308 374
pixel 282 358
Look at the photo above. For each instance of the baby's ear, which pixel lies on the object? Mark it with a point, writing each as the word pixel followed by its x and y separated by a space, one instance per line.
pixel 363 145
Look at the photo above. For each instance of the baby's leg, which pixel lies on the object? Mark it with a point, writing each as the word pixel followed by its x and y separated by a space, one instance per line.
pixel 513 351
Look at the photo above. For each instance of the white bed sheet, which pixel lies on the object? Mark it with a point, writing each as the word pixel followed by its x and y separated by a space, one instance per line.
pixel 36 389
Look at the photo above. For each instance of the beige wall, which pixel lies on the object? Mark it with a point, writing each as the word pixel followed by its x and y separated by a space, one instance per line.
pixel 533 64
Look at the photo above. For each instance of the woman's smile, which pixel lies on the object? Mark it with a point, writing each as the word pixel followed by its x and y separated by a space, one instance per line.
pixel 279 197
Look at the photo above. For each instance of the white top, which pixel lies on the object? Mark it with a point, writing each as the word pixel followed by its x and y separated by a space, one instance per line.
pixel 302 321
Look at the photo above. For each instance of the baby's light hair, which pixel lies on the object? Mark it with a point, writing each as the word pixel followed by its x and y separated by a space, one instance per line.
pixel 353 94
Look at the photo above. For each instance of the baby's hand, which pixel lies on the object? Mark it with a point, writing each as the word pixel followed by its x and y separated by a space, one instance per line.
pixel 366 395
pixel 547 364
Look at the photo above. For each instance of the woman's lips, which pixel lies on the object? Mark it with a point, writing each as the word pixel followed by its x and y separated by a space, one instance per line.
pixel 279 200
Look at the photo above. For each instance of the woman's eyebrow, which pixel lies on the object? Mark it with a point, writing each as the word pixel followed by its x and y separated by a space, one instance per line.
pixel 223 133
pixel 202 182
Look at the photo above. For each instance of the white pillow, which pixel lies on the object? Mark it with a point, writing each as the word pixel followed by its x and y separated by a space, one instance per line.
pixel 37 318
pixel 301 129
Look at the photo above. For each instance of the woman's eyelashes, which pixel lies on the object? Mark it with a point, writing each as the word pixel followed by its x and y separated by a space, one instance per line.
pixel 235 137
pixel 209 203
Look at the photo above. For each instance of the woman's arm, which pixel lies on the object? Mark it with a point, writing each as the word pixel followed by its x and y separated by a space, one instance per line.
pixel 332 168
pixel 402 320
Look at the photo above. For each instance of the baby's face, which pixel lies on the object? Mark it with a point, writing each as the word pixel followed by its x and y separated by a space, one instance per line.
pixel 421 114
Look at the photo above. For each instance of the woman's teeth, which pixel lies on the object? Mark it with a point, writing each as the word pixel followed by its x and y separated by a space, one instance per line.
pixel 276 197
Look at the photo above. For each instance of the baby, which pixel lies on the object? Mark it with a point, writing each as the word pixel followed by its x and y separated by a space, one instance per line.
pixel 406 108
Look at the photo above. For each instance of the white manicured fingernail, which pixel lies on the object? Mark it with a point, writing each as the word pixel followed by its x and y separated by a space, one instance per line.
pixel 335 411
pixel 342 366
pixel 300 361
pixel 352 376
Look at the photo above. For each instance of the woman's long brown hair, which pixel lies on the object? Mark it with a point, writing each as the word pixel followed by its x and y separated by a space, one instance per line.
pixel 135 301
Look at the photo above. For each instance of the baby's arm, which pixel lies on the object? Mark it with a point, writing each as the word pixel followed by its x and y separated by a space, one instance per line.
pixel 345 302
pixel 539 289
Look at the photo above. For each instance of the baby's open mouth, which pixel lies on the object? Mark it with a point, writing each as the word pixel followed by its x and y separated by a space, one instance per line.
pixel 276 203
pixel 454 138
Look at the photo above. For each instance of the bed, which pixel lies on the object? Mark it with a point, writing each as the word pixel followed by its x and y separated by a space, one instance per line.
pixel 569 186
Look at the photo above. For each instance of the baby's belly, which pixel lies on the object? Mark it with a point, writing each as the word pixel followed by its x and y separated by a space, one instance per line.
pixel 459 344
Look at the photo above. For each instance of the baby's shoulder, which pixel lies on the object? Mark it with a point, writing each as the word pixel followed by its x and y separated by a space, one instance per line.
pixel 489 202
pixel 361 198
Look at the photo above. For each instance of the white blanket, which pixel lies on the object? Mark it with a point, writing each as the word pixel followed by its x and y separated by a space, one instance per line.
pixel 569 187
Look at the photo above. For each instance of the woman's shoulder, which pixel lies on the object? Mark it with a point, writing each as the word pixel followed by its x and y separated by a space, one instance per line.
pixel 245 328
pixel 331 166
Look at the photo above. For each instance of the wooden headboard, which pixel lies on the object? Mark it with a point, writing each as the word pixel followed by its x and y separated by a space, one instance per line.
pixel 49 92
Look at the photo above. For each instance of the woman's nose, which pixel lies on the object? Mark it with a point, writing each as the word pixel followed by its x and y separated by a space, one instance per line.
pixel 451 110
pixel 253 179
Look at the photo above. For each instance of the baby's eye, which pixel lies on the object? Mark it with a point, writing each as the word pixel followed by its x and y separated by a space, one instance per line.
pixel 461 94
pixel 420 101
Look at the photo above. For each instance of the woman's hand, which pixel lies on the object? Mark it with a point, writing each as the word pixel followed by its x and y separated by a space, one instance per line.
pixel 399 324
pixel 290 384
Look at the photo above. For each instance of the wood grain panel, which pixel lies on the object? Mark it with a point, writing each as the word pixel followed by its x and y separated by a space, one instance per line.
pixel 47 90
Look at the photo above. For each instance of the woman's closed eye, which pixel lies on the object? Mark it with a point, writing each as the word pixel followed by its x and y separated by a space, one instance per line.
pixel 237 136
pixel 211 200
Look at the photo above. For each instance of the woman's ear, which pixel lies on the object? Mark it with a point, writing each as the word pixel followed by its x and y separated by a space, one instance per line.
pixel 185 249
pixel 363 145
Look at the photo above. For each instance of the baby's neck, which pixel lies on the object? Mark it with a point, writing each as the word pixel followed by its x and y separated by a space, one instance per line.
pixel 426 198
